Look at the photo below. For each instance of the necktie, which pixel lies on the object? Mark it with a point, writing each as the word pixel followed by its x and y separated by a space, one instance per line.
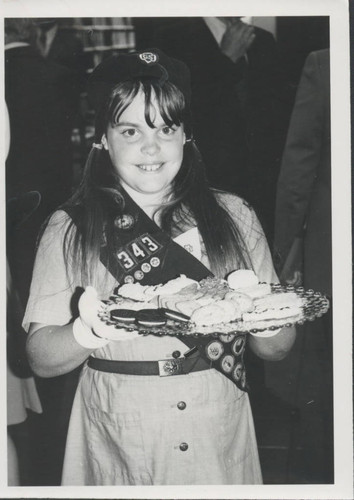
pixel 43 42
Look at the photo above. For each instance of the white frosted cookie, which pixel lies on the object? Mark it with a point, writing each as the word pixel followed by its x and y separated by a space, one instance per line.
pixel 145 293
pixel 276 306
pixel 187 295
pixel 136 291
pixel 208 315
pixel 205 299
pixel 231 310
pixel 176 285
pixel 272 314
pixel 186 306
pixel 277 300
pixel 242 278
pixel 257 291
pixel 244 302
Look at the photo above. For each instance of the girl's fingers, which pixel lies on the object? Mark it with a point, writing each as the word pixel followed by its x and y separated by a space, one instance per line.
pixel 111 333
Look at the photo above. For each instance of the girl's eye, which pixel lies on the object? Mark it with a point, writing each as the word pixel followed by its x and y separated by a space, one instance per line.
pixel 130 132
pixel 167 130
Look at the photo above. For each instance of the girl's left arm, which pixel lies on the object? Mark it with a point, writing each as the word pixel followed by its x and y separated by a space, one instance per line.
pixel 273 348
pixel 277 344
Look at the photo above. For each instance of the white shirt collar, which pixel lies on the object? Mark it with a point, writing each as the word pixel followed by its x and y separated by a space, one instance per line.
pixel 216 27
pixel 50 35
pixel 14 45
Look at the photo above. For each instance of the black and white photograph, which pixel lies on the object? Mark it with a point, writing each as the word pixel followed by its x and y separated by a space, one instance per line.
pixel 177 250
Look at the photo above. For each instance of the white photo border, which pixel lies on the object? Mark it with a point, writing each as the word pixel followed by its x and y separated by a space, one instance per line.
pixel 337 10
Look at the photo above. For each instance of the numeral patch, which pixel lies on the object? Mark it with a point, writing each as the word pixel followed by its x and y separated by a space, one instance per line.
pixel 150 243
pixel 137 251
pixel 125 260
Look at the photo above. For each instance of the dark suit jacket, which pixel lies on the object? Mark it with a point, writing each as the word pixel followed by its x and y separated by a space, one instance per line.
pixel 237 108
pixel 37 94
pixel 67 50
pixel 304 186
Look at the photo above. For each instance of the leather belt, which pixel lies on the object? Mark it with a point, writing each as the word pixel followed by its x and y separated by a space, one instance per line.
pixel 163 368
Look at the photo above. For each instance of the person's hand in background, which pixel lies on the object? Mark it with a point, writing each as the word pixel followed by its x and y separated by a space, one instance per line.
pixel 237 38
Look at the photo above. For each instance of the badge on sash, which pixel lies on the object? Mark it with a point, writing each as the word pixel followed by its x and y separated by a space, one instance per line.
pixel 125 221
pixel 214 350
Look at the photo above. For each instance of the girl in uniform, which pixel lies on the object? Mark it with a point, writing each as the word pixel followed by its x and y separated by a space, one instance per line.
pixel 148 410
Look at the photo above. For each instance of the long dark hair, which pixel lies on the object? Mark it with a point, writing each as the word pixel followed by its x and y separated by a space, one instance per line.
pixel 98 199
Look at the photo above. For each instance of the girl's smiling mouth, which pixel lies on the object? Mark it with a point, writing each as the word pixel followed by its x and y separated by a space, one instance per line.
pixel 150 167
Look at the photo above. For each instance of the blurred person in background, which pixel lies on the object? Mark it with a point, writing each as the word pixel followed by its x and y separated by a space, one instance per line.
pixel 303 203
pixel 57 42
pixel 38 95
pixel 303 243
pixel 41 107
pixel 21 389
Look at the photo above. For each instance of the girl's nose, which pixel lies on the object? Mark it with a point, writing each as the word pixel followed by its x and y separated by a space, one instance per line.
pixel 150 147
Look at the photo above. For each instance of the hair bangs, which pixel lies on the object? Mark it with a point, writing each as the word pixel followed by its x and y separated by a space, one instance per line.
pixel 169 99
pixel 122 96
pixel 170 102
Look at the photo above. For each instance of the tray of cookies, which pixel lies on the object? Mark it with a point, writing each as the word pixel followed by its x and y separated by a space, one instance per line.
pixel 239 304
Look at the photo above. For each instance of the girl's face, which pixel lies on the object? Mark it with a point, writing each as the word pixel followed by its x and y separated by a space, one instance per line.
pixel 146 159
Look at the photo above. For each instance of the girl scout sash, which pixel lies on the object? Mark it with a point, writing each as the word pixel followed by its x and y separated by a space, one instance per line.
pixel 146 254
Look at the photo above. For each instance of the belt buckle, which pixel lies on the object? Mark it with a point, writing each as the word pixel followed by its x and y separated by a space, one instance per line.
pixel 169 367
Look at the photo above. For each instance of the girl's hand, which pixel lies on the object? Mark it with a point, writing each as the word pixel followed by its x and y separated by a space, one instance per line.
pixel 89 307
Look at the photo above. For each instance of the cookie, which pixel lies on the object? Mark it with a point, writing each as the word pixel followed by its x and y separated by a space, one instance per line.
pixel 208 315
pixel 241 300
pixel 175 315
pixel 123 315
pixel 151 317
pixel 242 278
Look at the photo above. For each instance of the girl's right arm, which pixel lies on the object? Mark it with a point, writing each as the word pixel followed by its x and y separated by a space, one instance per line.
pixel 52 350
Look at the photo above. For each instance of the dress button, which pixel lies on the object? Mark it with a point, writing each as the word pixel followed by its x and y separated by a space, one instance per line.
pixel 176 354
pixel 181 405
pixel 183 446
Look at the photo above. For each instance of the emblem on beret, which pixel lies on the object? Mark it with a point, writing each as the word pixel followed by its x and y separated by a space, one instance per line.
pixel 148 57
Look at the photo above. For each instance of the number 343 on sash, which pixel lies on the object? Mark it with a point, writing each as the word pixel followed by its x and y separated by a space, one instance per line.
pixel 138 250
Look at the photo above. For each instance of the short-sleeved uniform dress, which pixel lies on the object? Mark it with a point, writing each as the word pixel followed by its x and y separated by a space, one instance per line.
pixel 150 430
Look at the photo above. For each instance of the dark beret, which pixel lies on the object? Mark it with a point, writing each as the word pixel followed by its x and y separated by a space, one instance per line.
pixel 151 63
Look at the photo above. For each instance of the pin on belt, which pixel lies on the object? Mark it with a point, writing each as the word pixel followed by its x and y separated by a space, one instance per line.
pixel 168 367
